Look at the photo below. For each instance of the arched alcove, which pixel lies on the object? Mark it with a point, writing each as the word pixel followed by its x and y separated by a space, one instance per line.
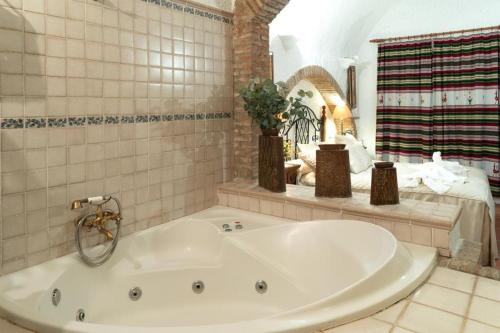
pixel 327 86
pixel 321 79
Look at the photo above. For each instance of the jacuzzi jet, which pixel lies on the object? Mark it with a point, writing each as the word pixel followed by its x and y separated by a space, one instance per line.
pixel 56 297
pixel 261 286
pixel 135 293
pixel 80 315
pixel 198 287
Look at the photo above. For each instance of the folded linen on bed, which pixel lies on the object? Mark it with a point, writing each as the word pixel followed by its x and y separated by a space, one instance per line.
pixel 439 176
pixel 453 167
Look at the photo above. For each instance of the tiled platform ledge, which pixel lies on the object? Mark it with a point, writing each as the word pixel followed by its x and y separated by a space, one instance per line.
pixel 412 221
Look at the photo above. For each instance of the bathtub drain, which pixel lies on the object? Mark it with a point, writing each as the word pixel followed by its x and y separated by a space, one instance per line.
pixel 80 315
pixel 135 293
pixel 198 287
pixel 261 286
pixel 56 297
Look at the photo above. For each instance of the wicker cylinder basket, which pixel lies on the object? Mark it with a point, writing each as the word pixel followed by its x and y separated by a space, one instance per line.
pixel 333 177
pixel 384 189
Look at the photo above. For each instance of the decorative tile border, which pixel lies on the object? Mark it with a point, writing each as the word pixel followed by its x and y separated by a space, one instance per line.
pixel 94 120
pixel 76 121
pixel 9 123
pixel 189 9
pixel 57 122
pixel 43 122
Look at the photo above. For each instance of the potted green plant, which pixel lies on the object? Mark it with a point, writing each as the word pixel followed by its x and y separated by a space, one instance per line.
pixel 267 104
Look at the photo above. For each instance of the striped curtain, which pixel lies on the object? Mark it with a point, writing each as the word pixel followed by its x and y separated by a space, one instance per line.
pixel 441 95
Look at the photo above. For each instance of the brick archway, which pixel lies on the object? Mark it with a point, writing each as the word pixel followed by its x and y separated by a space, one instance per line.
pixel 321 79
pixel 250 59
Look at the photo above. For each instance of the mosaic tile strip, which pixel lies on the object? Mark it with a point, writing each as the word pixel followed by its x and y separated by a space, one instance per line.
pixel 109 120
pixel 76 121
pixel 94 120
pixel 154 118
pixel 191 10
pixel 128 120
pixel 35 123
pixel 57 122
pixel 9 123
pixel 141 119
pixel 12 123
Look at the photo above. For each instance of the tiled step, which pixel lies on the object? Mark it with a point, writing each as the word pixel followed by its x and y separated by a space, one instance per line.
pixel 414 221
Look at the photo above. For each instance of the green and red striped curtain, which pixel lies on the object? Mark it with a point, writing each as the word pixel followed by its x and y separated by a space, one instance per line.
pixel 441 95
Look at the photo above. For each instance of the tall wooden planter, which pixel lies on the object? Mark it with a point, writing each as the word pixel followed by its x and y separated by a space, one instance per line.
pixel 384 189
pixel 271 161
pixel 333 177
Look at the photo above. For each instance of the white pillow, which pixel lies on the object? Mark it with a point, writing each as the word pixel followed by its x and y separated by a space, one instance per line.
pixel 359 159
pixel 309 158
pixel 347 139
pixel 305 169
pixel 305 147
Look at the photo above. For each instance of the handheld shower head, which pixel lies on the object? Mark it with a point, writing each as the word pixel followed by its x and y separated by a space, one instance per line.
pixel 77 204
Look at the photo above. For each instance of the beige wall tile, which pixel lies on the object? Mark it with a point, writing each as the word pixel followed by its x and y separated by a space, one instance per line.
pixel 11 40
pixel 55 26
pixel 421 235
pixel 83 58
pixel 290 211
pixel 11 62
pixel 440 238
pixel 34 6
pixel 304 213
pixel 402 232
pixel 11 84
pixel 56 8
pixel 271 208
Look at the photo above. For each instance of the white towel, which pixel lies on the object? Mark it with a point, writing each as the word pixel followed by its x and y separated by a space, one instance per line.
pixel 438 175
pixel 453 167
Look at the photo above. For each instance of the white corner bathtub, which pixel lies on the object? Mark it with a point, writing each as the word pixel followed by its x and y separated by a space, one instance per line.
pixel 319 274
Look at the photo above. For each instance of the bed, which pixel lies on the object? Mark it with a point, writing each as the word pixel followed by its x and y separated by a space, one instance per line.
pixel 477 218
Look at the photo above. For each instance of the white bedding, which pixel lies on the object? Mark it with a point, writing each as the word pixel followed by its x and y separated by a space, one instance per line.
pixel 475 187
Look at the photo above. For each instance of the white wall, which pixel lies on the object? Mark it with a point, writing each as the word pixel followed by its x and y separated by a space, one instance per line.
pixel 304 34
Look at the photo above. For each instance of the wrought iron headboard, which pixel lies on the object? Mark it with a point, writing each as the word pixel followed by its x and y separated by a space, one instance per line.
pixel 303 127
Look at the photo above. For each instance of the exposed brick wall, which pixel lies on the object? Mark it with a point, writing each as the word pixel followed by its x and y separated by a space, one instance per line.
pixel 251 59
